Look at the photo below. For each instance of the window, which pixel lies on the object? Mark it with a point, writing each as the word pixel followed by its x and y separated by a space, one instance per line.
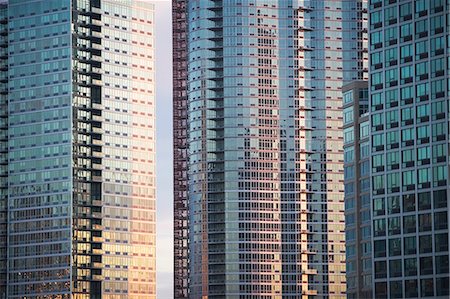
pixel 440 199
pixel 426 285
pixel 439 176
pixel 411 267
pixel 376 40
pixel 421 50
pixel 391 98
pixel 348 135
pixel 349 154
pixel 437 46
pixel 424 201
pixel 440 220
pixel 393 203
pixel 408 180
pixel 377 102
pixel 406 53
pixel 425 244
pixel 380 248
pixel 410 245
pixel 411 288
pixel 364 150
pixel 378 142
pixel 395 268
pixel 406 95
pixel 426 266
pixel 364 130
pixel 408 158
pixel 423 134
pixel 348 115
pixel 376 59
pixel 390 37
pixel 376 81
pixel 394 226
pixel 408 137
pixel 391 77
pixel 409 224
pixel 442 264
pixel 409 202
pixel 348 97
pixel 441 242
pixel 406 74
pixel 437 24
pixel 378 163
pixel 423 111
pixel 438 90
pixel 423 178
pixel 405 11
pixel 438 131
pixel 422 91
pixel 407 116
pixel 380 269
pixel 390 14
pixel 421 28
pixel 437 67
pixel 395 247
pixel 421 71
pixel 379 227
pixel 375 19
pixel 439 153
pixel 393 160
pixel 393 182
pixel 392 119
pixel 378 206
pixel 392 139
pixel 406 32
pixel 425 222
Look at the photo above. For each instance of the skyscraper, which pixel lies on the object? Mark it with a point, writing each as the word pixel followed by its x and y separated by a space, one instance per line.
pixel 180 112
pixel 409 95
pixel 80 172
pixel 358 235
pixel 264 144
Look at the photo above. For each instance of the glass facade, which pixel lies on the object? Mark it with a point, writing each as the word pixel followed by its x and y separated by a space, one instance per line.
pixel 356 126
pixel 81 149
pixel 409 142
pixel 264 93
pixel 180 156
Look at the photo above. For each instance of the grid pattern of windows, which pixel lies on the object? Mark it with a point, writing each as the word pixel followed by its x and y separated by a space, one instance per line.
pixel 265 144
pixel 409 127
pixel 81 149
pixel 128 164
pixel 357 197
pixel 39 170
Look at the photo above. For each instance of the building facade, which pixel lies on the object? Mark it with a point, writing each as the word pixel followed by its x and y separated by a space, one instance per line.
pixel 265 195
pixel 180 156
pixel 358 237
pixel 81 149
pixel 409 108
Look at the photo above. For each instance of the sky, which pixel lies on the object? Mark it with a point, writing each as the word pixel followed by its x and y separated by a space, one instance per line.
pixel 164 195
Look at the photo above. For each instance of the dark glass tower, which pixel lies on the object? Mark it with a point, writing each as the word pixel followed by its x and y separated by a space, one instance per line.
pixel 180 158
pixel 409 93
pixel 80 202
pixel 264 140
pixel 358 237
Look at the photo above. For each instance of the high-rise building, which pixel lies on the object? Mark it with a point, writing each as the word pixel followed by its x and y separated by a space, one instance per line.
pixel 80 201
pixel 358 235
pixel 409 94
pixel 180 151
pixel 265 193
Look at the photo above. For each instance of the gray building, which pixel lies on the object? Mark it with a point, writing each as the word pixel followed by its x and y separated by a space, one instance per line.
pixel 264 140
pixel 358 237
pixel 409 94
pixel 77 86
